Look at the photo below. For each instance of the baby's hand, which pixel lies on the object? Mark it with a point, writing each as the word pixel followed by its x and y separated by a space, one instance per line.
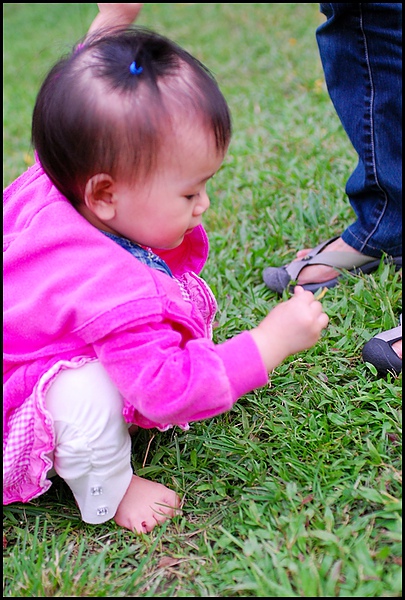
pixel 115 15
pixel 291 327
pixel 126 12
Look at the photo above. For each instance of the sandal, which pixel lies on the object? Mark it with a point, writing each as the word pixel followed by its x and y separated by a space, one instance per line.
pixel 378 351
pixel 279 279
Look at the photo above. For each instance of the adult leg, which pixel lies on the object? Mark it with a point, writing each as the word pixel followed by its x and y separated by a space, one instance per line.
pixel 361 51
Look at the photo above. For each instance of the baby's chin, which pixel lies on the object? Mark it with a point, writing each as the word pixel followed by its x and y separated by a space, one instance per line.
pixel 181 240
pixel 177 243
pixel 172 245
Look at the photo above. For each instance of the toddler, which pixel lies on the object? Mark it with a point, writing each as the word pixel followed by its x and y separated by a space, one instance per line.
pixel 107 323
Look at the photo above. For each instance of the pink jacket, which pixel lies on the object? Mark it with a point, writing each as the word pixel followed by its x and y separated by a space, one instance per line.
pixel 71 293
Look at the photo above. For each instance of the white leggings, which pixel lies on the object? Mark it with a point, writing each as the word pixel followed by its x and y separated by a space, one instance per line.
pixel 93 447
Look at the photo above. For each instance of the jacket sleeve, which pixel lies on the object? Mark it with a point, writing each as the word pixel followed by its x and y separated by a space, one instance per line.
pixel 169 381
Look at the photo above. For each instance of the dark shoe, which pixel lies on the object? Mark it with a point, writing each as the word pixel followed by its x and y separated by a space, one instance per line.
pixel 279 279
pixel 378 351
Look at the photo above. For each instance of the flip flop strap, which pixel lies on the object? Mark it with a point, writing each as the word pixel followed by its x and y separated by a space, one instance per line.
pixel 337 260
pixel 391 336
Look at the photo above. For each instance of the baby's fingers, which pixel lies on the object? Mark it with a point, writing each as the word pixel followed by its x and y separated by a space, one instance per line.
pixel 323 320
pixel 313 304
pixel 303 295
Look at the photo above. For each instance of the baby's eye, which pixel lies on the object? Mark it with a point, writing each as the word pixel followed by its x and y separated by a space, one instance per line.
pixel 191 196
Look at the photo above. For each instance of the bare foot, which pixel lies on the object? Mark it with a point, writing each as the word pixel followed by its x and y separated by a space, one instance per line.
pixel 145 505
pixel 321 273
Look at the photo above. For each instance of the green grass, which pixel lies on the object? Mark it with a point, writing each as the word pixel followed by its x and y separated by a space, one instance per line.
pixel 296 491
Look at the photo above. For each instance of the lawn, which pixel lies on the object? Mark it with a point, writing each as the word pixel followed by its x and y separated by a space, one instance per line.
pixel 297 491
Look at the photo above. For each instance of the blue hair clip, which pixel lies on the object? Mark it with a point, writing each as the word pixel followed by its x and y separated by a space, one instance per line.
pixel 134 69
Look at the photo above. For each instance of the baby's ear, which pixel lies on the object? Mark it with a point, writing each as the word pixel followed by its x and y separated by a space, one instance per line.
pixel 99 196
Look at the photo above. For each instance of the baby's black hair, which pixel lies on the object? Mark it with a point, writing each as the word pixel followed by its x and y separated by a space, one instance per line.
pixel 107 106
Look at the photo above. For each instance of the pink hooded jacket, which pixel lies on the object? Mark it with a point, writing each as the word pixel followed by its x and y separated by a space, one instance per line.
pixel 71 295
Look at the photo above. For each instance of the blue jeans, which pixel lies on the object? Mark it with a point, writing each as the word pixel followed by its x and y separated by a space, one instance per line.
pixel 360 46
